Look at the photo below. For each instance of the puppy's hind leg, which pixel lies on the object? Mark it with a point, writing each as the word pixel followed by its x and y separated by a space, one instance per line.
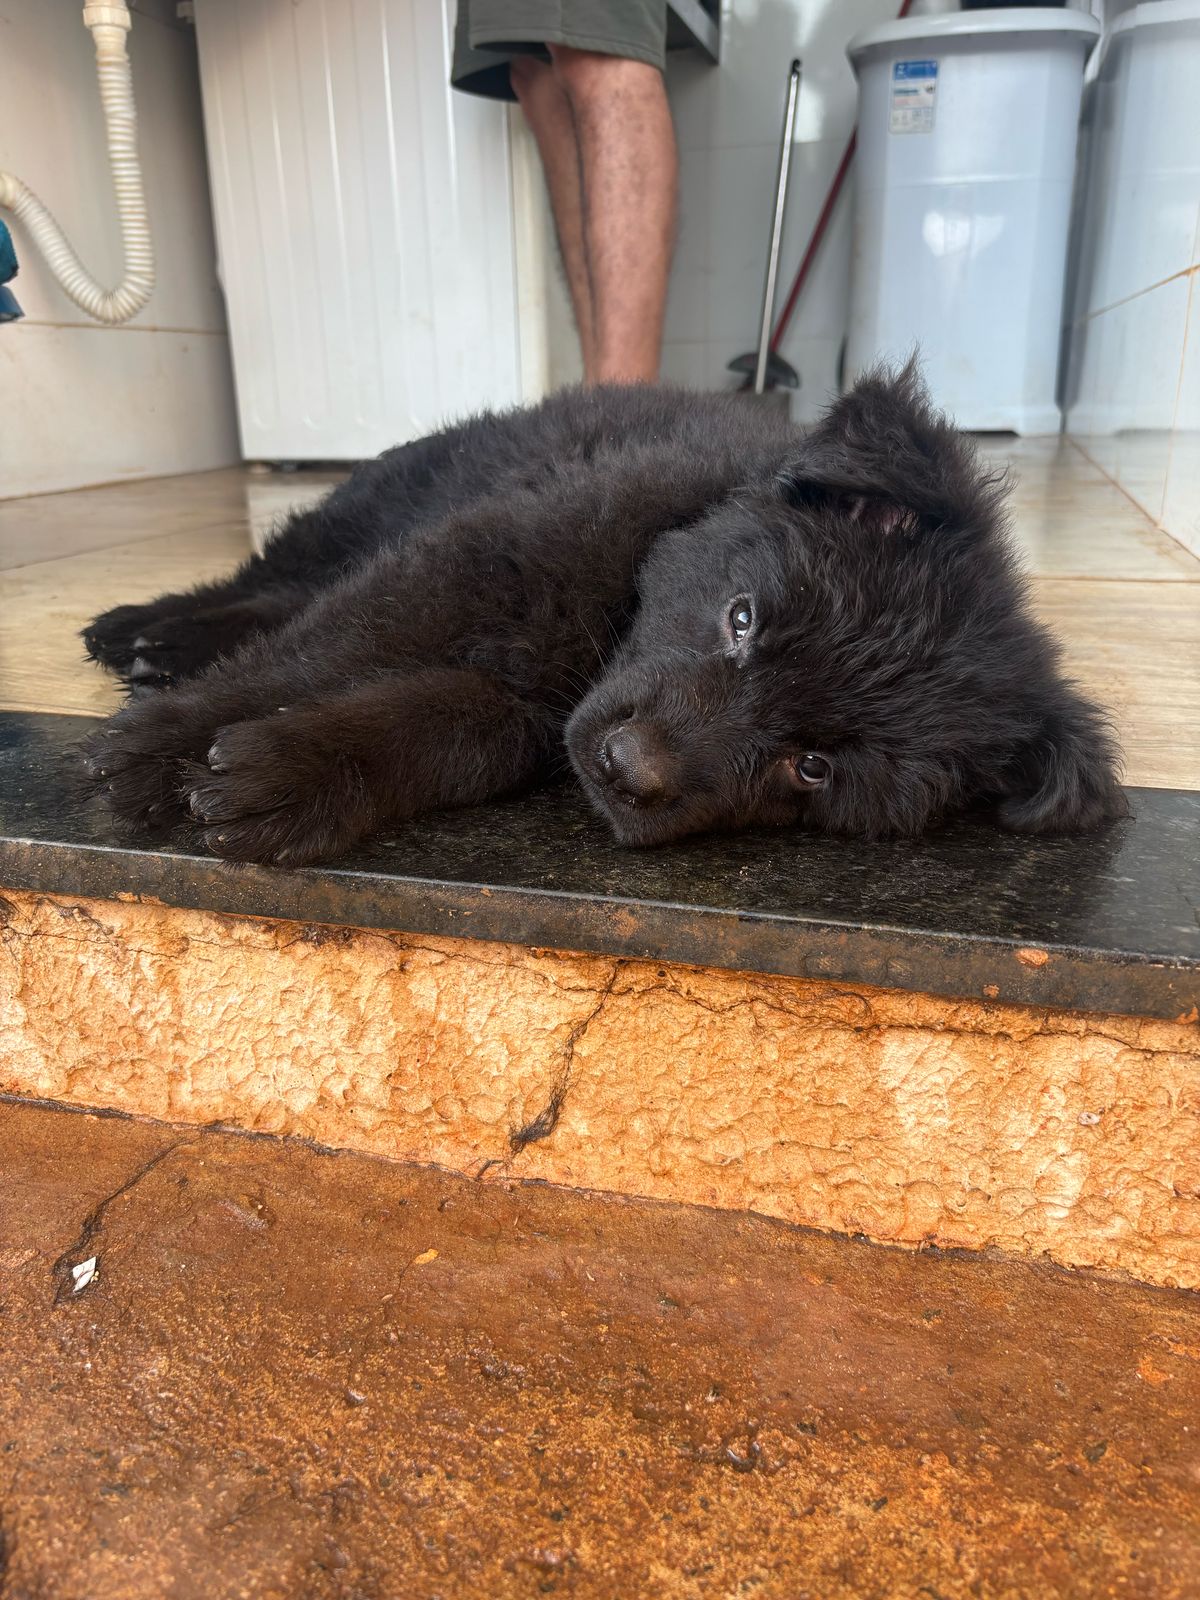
pixel 180 645
pixel 178 635
pixel 306 784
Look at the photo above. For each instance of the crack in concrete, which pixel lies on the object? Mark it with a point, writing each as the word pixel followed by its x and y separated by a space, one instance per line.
pixel 93 1223
pixel 799 1010
pixel 544 1123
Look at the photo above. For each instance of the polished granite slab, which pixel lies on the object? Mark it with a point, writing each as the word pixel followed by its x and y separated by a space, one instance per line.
pixel 1109 922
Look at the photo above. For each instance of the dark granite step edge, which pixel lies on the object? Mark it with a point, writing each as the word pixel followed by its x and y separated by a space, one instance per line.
pixel 929 961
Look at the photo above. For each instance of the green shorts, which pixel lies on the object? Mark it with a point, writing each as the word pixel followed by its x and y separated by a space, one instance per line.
pixel 489 33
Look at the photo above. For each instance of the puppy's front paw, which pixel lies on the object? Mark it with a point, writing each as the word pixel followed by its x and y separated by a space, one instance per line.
pixel 137 761
pixel 279 791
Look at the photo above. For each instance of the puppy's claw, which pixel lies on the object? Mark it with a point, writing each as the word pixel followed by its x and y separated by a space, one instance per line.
pixel 143 671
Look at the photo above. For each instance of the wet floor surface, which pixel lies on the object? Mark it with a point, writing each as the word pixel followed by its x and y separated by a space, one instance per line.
pixel 296 1374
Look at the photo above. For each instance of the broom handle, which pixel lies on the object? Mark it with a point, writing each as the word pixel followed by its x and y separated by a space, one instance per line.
pixel 785 161
pixel 818 233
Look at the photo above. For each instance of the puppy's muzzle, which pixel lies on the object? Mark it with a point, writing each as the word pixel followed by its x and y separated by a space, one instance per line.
pixel 636 767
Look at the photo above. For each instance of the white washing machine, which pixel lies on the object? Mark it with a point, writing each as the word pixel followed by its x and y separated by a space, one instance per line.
pixel 364 219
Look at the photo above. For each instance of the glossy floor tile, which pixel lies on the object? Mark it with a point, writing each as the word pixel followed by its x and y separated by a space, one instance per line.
pixel 1135 648
pixel 1073 521
pixel 48 526
pixel 44 605
pixel 1123 596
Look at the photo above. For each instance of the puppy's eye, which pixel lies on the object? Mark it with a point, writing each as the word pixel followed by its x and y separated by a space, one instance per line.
pixel 740 619
pixel 811 770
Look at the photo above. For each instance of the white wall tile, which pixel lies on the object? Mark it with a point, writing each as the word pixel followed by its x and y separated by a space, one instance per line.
pixel 1187 409
pixel 1125 363
pixel 690 289
pixel 824 304
pixel 743 181
pixel 1129 381
pixel 97 405
pixel 818 362
pixel 1181 501
pixel 686 363
pixel 1150 355
pixel 1127 373
pixel 727 122
pixel 1142 135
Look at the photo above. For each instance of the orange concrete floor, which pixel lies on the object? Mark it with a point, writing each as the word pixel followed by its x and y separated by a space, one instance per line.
pixel 303 1375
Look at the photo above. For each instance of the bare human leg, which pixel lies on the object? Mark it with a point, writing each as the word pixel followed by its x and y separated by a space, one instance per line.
pixel 629 170
pixel 552 122
pixel 603 129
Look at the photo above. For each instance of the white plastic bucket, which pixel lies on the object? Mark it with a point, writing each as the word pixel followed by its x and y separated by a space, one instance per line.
pixel 966 154
pixel 1140 224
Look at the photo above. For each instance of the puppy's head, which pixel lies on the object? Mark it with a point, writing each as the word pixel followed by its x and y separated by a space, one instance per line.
pixel 847 647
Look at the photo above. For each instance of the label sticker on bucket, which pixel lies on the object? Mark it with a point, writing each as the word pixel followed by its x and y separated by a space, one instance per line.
pixel 914 96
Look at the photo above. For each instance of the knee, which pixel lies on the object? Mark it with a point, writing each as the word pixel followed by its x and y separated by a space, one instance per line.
pixel 589 75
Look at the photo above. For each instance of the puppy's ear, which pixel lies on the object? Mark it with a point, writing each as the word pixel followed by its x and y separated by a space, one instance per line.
pixel 886 458
pixel 1064 779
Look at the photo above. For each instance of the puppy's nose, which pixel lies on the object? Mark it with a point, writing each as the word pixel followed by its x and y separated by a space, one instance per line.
pixel 635 762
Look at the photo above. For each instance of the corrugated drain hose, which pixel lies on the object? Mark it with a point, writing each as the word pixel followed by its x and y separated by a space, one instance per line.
pixel 109 24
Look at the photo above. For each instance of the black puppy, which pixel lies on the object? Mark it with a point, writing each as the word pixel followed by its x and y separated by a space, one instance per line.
pixel 721 620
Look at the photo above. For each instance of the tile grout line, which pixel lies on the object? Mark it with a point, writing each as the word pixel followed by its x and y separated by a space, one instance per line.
pixel 1190 270
pixel 1116 482
pixel 1187 328
pixel 217 527
pixel 118 483
pixel 1099 577
pixel 100 327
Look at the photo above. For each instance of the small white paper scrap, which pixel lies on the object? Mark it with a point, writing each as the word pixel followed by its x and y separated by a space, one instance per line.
pixel 82 1273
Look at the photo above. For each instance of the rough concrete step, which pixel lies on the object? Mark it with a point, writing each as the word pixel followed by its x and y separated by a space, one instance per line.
pixel 304 1374
pixel 765 1023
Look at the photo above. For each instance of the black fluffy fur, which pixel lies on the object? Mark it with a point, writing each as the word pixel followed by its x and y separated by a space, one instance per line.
pixel 465 610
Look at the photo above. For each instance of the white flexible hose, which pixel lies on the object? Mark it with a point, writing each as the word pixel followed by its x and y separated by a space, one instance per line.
pixel 109 24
